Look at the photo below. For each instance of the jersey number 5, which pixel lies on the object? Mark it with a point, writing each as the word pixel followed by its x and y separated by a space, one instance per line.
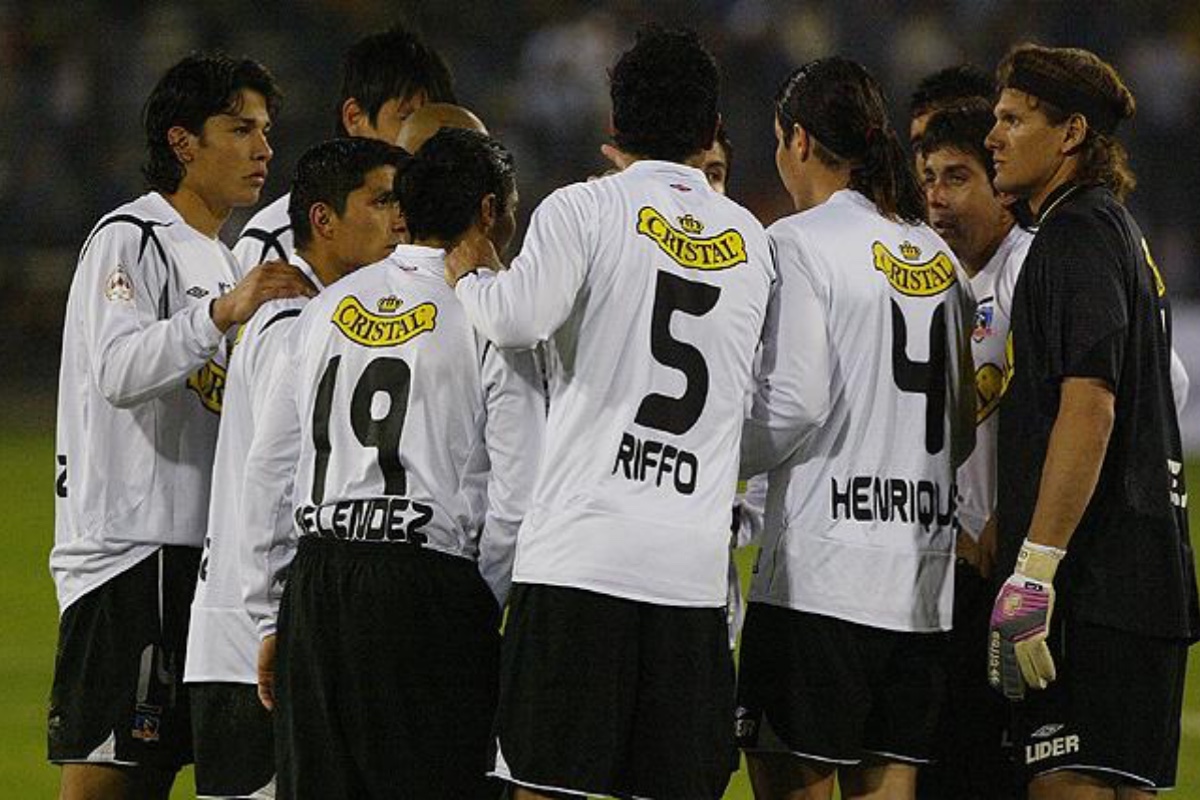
pixel 387 375
pixel 927 378
pixel 677 414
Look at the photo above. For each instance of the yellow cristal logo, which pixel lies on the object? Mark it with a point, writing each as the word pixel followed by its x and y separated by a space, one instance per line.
pixel 1158 281
pixel 725 250
pixel 376 330
pixel 208 383
pixel 389 304
pixel 925 279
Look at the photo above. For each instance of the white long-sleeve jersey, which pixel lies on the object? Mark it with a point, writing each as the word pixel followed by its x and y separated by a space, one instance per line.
pixel 860 504
pixel 993 290
pixel 267 236
pixel 651 290
pixel 401 424
pixel 222 640
pixel 140 391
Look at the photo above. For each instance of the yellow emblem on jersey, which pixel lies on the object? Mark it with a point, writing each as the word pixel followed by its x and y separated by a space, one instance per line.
pixel 989 380
pixel 923 279
pixel 1009 365
pixel 208 383
pixel 382 330
pixel 1158 281
pixel 688 250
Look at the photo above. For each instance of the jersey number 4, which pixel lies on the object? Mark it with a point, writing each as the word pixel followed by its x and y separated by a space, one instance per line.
pixel 927 377
pixel 677 414
pixel 390 376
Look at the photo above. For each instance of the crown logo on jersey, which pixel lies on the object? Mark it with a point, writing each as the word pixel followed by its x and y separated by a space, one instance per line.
pixel 924 279
pixel 726 249
pixel 373 330
pixel 909 251
pixel 389 304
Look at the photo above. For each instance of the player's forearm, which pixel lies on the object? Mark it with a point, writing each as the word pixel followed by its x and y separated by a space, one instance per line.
pixel 1074 458
pixel 134 366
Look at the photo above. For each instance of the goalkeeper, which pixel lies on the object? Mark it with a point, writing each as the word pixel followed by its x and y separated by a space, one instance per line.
pixel 1091 628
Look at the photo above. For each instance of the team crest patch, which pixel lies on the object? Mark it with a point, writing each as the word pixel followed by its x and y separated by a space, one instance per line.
pixel 389 327
pixel 208 383
pixel 909 275
pixel 985 314
pixel 146 722
pixel 686 247
pixel 118 287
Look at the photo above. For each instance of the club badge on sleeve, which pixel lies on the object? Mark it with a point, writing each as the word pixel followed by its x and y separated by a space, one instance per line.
pixel 118 286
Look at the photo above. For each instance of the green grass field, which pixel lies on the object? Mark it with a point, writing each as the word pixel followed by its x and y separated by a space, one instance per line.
pixel 29 622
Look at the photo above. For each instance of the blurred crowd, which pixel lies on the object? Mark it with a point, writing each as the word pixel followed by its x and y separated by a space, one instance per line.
pixel 73 77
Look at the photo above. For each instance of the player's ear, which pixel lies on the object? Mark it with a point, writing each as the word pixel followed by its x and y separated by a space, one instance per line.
pixel 321 219
pixel 354 119
pixel 182 143
pixel 1074 132
pixel 802 141
pixel 489 211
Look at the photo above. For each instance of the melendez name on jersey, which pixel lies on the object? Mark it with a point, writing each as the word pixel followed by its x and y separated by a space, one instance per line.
pixel 140 390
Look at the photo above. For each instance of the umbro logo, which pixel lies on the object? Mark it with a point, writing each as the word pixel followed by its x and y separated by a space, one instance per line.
pixel 1046 731
pixel 197 292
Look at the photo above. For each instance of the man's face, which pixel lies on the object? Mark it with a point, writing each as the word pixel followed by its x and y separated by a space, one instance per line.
pixel 391 116
pixel 963 206
pixel 228 164
pixel 715 166
pixel 1026 148
pixel 505 225
pixel 369 228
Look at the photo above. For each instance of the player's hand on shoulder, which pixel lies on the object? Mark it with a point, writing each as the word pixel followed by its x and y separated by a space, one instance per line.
pixel 473 251
pixel 271 280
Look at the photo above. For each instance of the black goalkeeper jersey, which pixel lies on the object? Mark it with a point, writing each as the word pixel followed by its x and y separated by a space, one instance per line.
pixel 1090 303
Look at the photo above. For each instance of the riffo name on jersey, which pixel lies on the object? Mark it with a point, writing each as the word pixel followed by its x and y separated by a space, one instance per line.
pixel 871 498
pixel 385 329
pixel 725 250
pixel 372 519
pixel 649 460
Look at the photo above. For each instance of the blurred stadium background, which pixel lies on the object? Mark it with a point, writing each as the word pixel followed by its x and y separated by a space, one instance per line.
pixel 73 78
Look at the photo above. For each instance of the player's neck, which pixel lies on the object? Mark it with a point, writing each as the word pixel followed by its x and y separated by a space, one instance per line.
pixel 197 211
pixel 974 263
pixel 1064 173
pixel 324 265
pixel 823 183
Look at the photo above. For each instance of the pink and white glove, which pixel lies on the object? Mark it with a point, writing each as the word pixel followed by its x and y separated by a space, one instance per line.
pixel 1017 652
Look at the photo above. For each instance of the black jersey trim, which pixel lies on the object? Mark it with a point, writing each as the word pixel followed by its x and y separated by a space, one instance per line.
pixel 285 314
pixel 270 240
pixel 147 227
pixel 487 345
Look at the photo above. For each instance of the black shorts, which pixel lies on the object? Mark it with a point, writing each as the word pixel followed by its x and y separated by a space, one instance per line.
pixel 833 691
pixel 235 745
pixel 601 695
pixel 1113 711
pixel 972 756
pixel 118 695
pixel 386 674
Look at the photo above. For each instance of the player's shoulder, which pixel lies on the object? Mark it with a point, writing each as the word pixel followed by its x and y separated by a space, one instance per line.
pixel 271 218
pixel 272 315
pixel 145 216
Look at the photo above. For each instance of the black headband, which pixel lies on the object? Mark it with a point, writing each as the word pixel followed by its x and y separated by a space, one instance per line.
pixel 1071 99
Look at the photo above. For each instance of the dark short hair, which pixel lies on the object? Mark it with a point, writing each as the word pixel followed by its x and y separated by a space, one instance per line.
pixel 329 172
pixel 395 63
pixel 963 128
pixel 950 87
pixel 843 108
pixel 442 186
pixel 665 91
pixel 200 86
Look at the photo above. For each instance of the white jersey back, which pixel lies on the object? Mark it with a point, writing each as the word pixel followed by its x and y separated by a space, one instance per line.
pixel 859 524
pixel 993 289
pixel 651 289
pixel 222 640
pixel 401 410
pixel 267 236
pixel 140 392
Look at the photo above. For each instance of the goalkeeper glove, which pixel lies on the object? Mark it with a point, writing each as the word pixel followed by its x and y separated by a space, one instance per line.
pixel 1017 651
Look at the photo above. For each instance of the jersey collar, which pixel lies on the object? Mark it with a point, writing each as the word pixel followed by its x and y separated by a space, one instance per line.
pixel 1054 200
pixel 669 169
pixel 414 257
pixel 299 263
